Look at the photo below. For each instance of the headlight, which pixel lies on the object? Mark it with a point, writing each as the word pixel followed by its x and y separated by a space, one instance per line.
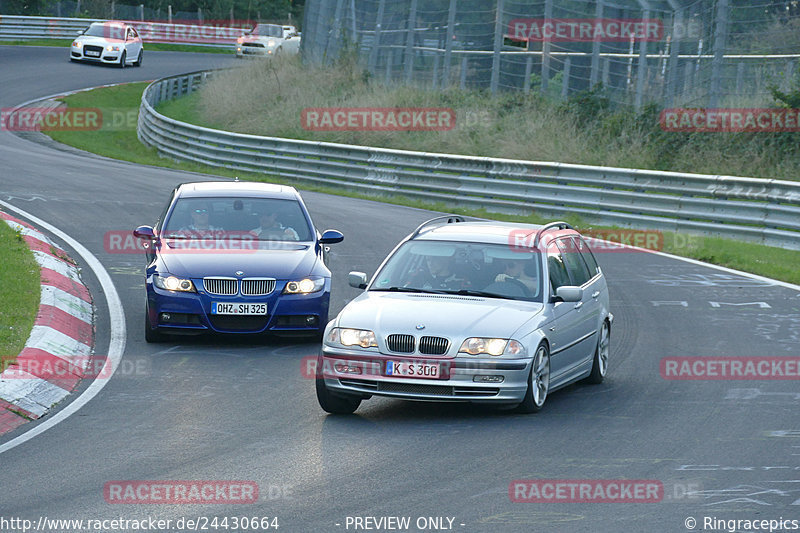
pixel 304 286
pixel 76 44
pixel 494 347
pixel 171 283
pixel 352 337
pixel 271 43
pixel 240 40
pixel 112 48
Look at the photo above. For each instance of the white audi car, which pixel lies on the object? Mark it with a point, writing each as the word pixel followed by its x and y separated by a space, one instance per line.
pixel 112 43
pixel 482 311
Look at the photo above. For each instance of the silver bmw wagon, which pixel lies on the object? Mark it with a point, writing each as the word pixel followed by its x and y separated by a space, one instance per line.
pixel 471 311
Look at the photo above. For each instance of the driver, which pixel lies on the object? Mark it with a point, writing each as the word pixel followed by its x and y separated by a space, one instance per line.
pixel 437 273
pixel 200 228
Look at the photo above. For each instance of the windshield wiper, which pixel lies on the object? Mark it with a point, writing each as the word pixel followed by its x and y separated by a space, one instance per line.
pixel 469 292
pixel 409 289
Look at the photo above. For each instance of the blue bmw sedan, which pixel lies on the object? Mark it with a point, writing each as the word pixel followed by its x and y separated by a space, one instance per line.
pixel 235 257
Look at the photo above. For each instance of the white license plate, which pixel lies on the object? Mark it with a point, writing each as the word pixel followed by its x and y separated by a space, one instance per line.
pixel 410 369
pixel 225 308
pixel 93 54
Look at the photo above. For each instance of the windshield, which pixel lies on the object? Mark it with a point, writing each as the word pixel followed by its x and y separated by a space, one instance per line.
pixel 265 219
pixel 493 270
pixel 268 30
pixel 106 30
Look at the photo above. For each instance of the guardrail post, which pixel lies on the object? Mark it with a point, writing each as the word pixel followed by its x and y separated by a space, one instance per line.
pixel 548 15
pixel 169 13
pixel 376 39
pixel 141 12
pixel 409 57
pixel 498 46
pixel 674 50
pixel 641 70
pixel 448 45
pixel 595 72
pixel 720 36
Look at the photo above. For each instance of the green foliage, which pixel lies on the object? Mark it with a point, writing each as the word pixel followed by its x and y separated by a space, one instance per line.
pixel 588 105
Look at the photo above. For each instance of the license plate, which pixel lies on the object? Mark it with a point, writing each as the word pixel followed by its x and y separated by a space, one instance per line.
pixel 92 54
pixel 409 369
pixel 224 308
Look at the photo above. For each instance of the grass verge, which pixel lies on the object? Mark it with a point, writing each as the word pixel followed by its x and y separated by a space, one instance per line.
pixel 19 293
pixel 156 47
pixel 123 144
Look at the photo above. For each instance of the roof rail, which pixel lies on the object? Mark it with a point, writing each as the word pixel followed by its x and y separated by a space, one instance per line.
pixel 448 219
pixel 557 225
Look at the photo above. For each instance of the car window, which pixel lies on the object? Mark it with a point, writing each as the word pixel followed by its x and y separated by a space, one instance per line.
pixel 556 267
pixel 576 266
pixel 466 267
pixel 268 219
pixel 587 255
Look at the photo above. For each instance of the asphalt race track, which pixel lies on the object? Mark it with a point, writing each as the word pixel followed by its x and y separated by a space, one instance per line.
pixel 206 410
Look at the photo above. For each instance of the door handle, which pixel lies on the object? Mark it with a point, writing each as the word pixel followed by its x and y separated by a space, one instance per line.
pixel 595 294
pixel 578 305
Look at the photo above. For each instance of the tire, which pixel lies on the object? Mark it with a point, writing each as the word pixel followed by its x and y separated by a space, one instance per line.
pixel 538 382
pixel 600 361
pixel 150 334
pixel 138 62
pixel 333 403
pixel 122 59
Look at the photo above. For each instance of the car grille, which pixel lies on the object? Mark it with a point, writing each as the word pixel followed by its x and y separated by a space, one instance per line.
pixel 257 286
pixel 221 286
pixel 90 48
pixel 238 323
pixel 433 345
pixel 400 343
pixel 253 45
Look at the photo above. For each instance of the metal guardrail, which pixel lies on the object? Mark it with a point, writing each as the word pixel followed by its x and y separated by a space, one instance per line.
pixel 760 210
pixel 14 27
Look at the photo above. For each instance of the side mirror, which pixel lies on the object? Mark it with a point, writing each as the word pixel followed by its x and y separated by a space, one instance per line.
pixel 331 236
pixel 357 280
pixel 569 293
pixel 144 232
pixel 79 32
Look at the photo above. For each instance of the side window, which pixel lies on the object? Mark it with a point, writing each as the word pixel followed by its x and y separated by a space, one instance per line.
pixel 576 266
pixel 556 268
pixel 587 255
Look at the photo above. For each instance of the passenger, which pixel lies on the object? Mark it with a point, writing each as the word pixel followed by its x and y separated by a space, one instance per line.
pixel 272 229
pixel 515 269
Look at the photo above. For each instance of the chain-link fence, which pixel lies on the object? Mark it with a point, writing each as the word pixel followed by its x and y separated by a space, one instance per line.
pixel 675 52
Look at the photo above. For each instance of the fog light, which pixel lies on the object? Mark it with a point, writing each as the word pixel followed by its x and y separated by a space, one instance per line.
pixel 346 369
pixel 165 317
pixel 488 379
pixel 311 320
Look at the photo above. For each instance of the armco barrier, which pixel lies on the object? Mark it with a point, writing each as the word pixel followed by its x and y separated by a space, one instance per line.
pixel 13 28
pixel 760 210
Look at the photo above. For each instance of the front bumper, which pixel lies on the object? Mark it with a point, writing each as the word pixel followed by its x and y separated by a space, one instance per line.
pixel 457 384
pixel 108 58
pixel 190 313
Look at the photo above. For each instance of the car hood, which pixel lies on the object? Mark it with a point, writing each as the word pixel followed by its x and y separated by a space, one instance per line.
pixel 441 315
pixel 98 41
pixel 291 261
pixel 259 39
